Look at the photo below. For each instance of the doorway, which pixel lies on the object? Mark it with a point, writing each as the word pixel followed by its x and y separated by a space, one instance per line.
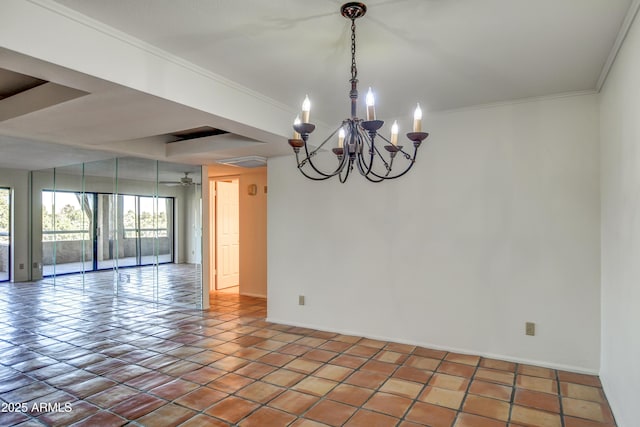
pixel 225 205
pixel 5 234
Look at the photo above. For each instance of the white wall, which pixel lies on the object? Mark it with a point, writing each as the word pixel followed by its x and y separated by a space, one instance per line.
pixel 498 224
pixel 620 187
pixel 253 234
pixel 18 181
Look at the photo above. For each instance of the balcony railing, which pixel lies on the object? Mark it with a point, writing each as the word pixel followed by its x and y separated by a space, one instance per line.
pixel 71 235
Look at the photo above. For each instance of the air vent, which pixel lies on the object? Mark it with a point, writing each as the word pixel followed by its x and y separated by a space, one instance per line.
pixel 245 162
pixel 199 132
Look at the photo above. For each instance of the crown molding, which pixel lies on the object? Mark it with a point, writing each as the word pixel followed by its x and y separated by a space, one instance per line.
pixel 517 101
pixel 154 50
pixel 617 45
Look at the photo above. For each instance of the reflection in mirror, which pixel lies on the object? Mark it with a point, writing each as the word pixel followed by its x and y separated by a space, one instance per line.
pixel 182 281
pixel 125 226
pixel 5 234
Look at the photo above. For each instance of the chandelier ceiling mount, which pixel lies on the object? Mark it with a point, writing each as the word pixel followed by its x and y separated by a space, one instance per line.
pixel 353 10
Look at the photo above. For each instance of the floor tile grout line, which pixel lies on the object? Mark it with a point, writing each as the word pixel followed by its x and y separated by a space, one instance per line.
pixel 424 387
pixel 184 321
pixel 513 391
pixel 466 393
pixel 561 406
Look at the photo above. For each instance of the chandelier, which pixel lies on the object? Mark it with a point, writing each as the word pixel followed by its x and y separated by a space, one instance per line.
pixel 358 146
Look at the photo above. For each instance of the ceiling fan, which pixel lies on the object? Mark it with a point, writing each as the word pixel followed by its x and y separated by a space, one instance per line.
pixel 185 181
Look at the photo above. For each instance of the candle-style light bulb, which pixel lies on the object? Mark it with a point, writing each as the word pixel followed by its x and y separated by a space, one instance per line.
pixel 371 110
pixel 297 121
pixel 394 133
pixel 341 135
pixel 417 119
pixel 306 108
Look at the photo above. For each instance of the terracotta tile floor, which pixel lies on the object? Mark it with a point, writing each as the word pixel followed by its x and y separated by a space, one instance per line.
pixel 68 358
pixel 173 284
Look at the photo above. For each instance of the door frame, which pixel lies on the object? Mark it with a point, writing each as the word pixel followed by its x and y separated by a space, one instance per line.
pixel 213 232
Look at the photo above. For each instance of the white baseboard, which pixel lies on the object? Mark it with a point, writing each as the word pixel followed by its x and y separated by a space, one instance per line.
pixel 249 294
pixel 541 363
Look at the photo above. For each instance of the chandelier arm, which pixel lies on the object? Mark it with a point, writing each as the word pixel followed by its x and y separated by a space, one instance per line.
pixel 309 155
pixel 368 178
pixel 381 157
pixel 362 165
pixel 372 151
pixel 382 178
pixel 327 139
pixel 319 172
pixel 369 169
pixel 310 162
pixel 366 169
pixel 368 174
pixel 412 162
pixel 315 178
pixel 349 167
pixel 404 172
pixel 301 164
pixel 406 155
pixel 322 174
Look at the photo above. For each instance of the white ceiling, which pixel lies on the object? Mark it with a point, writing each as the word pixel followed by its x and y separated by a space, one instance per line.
pixel 445 54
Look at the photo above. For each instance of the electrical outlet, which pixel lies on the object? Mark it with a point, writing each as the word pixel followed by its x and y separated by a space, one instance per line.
pixel 300 299
pixel 530 328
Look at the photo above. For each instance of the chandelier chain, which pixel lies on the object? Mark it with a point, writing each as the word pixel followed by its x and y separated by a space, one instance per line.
pixel 354 69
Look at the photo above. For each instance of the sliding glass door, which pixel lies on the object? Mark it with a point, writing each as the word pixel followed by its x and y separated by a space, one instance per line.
pixel 124 231
pixel 67 232
pixel 128 216
pixel 155 230
pixel 147 230
pixel 5 234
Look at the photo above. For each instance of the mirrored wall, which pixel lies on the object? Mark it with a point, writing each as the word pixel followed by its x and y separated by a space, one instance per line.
pixel 126 226
pixel 5 234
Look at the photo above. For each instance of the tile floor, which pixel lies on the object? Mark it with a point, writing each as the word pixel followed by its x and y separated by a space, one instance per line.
pixel 68 358
pixel 173 284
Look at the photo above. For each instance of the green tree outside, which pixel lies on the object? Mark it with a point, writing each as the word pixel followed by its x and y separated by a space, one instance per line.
pixel 4 216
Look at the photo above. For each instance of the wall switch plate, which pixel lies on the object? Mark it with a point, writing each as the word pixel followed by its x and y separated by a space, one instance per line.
pixel 21 266
pixel 530 328
pixel 300 299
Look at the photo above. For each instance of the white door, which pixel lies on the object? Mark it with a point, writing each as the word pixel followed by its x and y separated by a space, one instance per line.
pixel 227 234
